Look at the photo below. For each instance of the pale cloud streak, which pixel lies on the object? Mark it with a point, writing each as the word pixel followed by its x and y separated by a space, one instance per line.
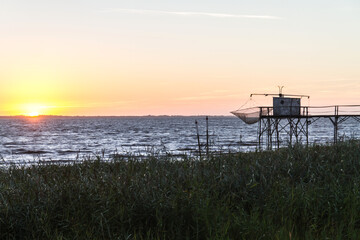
pixel 185 13
pixel 94 104
pixel 207 96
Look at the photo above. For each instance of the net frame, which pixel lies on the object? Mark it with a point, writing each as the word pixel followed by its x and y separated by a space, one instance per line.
pixel 251 115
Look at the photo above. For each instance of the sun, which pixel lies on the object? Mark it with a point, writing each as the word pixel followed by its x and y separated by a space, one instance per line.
pixel 33 109
pixel 32 114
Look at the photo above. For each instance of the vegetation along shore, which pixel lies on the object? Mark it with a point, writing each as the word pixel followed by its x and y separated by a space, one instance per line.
pixel 292 193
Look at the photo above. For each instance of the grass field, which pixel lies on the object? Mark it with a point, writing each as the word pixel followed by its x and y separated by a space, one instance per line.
pixel 292 193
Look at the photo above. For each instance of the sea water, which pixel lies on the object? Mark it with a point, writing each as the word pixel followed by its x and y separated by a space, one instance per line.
pixel 49 138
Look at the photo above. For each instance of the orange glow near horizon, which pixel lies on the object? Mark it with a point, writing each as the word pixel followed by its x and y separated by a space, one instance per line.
pixel 33 114
pixel 32 110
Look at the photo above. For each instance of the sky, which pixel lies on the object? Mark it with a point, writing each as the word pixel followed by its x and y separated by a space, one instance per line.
pixel 153 57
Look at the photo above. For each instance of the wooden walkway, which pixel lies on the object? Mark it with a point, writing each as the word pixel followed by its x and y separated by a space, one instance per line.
pixel 296 127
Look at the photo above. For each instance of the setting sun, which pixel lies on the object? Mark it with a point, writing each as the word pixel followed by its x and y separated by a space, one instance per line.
pixel 33 109
pixel 33 114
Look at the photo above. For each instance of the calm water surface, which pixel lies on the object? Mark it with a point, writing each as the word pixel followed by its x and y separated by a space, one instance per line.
pixel 69 138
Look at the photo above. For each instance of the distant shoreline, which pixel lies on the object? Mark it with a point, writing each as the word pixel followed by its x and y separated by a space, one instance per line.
pixel 109 116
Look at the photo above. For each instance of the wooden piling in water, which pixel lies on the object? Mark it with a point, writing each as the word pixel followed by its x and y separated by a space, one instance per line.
pixel 207 136
pixel 198 137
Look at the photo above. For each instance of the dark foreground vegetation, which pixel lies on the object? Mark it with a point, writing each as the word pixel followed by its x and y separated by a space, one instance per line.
pixel 293 193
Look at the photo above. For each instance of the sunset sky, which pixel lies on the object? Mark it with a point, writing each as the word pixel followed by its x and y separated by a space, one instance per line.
pixel 189 57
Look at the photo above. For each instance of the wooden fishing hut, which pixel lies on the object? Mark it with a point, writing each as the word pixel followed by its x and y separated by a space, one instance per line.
pixel 288 119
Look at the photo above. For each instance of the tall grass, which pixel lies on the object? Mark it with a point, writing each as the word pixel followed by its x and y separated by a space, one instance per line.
pixel 292 193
